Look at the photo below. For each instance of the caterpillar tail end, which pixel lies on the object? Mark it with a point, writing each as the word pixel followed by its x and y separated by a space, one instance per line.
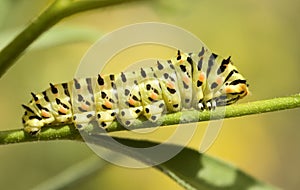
pixel 33 126
pixel 32 130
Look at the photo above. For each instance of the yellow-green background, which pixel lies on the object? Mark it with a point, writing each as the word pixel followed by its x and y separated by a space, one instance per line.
pixel 262 36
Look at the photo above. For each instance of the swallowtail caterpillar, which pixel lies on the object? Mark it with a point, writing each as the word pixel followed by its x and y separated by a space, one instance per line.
pixel 201 80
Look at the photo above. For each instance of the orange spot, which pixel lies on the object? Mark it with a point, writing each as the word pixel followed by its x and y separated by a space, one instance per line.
pixel 170 85
pixel 153 96
pixel 131 101
pixel 201 77
pixel 186 80
pixel 62 109
pixel 84 106
pixel 219 80
pixel 228 90
pixel 108 104
pixel 45 114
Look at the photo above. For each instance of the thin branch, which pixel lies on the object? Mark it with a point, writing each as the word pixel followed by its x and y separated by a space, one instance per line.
pixel 68 132
pixel 52 15
pixel 49 133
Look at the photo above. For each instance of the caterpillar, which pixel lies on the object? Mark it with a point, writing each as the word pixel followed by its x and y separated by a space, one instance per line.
pixel 202 80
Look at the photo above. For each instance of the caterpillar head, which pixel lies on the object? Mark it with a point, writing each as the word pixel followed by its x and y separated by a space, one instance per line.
pixel 234 88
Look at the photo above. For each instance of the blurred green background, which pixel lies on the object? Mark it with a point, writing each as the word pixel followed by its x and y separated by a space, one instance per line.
pixel 261 36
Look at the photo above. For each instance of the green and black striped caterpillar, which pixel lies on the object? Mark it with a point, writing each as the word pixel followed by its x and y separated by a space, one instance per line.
pixel 199 81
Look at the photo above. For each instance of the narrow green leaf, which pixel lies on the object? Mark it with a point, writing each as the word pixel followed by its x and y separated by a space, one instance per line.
pixel 64 35
pixel 193 170
pixel 57 36
pixel 73 174
pixel 4 11
pixel 189 168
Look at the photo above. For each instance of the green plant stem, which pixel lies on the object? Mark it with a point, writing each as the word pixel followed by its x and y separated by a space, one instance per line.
pixel 68 132
pixel 52 15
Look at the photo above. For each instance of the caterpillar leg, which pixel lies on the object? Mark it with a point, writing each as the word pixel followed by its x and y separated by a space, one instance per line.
pixel 154 111
pixel 82 120
pixel 128 116
pixel 211 105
